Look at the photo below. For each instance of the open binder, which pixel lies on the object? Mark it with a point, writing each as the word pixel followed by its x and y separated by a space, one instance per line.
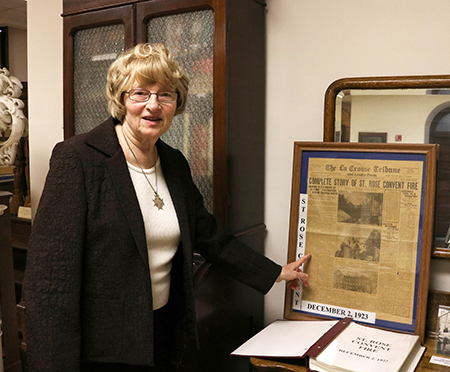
pixel 329 346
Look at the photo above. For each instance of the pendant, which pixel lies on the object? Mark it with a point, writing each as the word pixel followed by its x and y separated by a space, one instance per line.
pixel 158 202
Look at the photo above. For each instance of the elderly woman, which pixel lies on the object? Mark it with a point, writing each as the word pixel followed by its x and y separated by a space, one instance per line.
pixel 109 276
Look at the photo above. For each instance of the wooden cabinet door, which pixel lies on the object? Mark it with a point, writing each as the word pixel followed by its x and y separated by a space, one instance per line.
pixel 188 30
pixel 8 316
pixel 92 42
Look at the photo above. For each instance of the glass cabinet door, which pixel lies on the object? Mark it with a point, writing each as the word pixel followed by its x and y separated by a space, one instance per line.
pixel 190 38
pixel 92 41
pixel 94 51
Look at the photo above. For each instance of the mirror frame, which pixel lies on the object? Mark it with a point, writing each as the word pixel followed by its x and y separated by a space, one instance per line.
pixel 379 83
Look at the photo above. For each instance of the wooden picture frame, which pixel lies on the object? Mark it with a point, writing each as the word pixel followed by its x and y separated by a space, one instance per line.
pixel 372 137
pixel 365 212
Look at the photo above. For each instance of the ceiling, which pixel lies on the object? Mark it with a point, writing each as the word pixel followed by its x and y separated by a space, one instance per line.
pixel 13 13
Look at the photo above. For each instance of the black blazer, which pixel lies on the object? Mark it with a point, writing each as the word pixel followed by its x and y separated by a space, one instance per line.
pixel 87 282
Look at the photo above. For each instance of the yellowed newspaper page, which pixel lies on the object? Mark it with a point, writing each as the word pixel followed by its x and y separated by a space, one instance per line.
pixel 362 230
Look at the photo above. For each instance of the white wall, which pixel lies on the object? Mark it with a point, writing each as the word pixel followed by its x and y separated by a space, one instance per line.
pixel 405 115
pixel 45 87
pixel 310 43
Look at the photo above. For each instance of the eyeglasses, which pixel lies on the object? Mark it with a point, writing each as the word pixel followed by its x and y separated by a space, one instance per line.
pixel 143 95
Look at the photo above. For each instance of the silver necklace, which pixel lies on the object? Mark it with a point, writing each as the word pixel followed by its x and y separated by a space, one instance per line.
pixel 157 201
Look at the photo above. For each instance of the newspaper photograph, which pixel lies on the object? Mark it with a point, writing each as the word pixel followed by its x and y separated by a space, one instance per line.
pixel 363 219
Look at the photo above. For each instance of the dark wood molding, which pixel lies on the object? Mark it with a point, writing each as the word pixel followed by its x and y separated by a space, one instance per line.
pixel 72 7
pixel 12 362
pixel 250 230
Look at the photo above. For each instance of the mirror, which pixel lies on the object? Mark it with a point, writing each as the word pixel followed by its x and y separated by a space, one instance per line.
pixel 405 109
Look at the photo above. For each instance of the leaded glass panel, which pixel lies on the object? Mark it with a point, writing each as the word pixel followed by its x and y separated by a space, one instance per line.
pixel 190 38
pixel 94 51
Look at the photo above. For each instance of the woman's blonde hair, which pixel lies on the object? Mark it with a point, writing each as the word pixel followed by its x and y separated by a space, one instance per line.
pixel 145 64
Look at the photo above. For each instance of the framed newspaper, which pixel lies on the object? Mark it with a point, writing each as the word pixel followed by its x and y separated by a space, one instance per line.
pixel 365 213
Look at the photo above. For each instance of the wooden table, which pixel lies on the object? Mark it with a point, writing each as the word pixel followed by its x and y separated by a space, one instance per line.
pixel 267 365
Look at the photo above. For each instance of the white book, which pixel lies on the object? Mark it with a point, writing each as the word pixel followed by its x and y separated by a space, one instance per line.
pixel 360 348
pixel 336 346
pixel 285 339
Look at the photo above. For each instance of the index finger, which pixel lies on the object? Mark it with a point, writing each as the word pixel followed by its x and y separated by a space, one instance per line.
pixel 301 260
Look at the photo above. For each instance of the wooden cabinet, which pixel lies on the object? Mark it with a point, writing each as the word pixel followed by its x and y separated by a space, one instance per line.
pixel 221 45
pixel 10 339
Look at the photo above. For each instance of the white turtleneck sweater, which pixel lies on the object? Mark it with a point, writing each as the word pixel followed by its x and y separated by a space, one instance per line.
pixel 161 229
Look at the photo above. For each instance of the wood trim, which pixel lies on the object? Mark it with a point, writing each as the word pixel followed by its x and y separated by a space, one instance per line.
pixel 250 230
pixel 72 24
pixel 441 252
pixel 271 365
pixel 159 8
pixel 12 361
pixel 71 7
pixel 220 84
pixel 245 111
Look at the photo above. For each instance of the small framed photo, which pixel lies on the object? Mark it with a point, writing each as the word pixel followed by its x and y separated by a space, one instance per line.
pixel 443 331
pixel 372 137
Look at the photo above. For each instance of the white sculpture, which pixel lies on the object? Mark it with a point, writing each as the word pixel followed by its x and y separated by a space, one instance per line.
pixel 12 119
